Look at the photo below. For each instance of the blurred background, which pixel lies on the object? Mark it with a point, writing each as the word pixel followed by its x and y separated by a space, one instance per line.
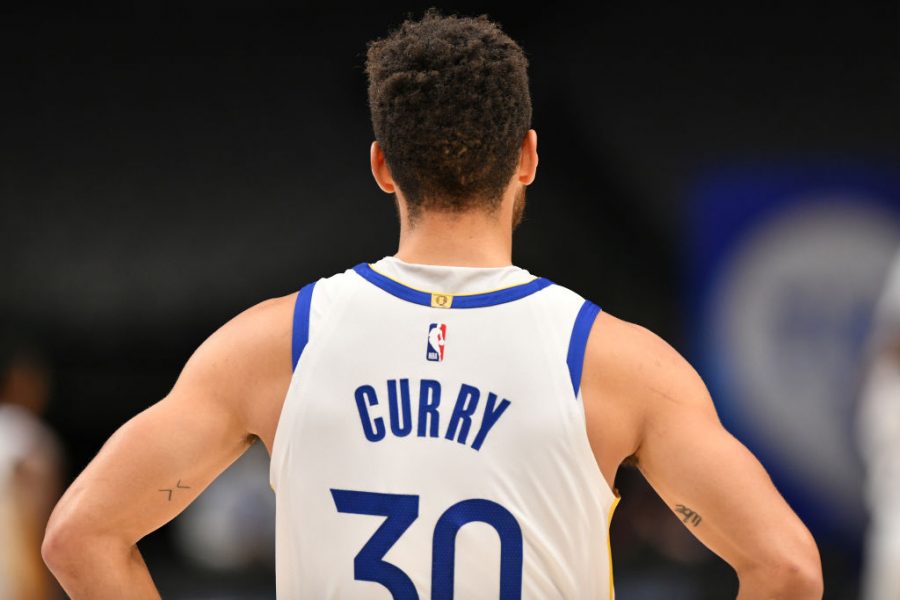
pixel 726 174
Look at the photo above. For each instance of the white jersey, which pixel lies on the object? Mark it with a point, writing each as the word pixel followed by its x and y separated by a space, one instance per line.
pixel 432 444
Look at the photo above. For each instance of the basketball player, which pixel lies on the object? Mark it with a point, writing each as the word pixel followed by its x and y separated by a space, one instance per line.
pixel 30 470
pixel 440 422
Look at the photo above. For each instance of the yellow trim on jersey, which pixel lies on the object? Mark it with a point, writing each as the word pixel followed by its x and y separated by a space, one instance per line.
pixel 450 296
pixel 612 509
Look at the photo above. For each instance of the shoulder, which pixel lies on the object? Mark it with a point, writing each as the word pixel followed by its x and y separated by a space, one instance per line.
pixel 634 369
pixel 619 351
pixel 254 335
pixel 243 367
pixel 624 348
pixel 258 339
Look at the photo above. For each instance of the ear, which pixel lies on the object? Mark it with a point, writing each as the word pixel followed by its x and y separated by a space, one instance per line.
pixel 528 158
pixel 380 170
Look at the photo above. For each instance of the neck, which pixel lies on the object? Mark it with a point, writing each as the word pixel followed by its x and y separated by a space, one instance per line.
pixel 467 239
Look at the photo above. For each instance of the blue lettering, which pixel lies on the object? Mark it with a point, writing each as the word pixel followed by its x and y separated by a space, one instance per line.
pixel 428 413
pixel 372 428
pixel 400 412
pixel 466 403
pixel 401 416
pixel 492 413
pixel 443 553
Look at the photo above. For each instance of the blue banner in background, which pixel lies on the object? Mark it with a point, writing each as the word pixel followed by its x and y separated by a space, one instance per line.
pixel 784 265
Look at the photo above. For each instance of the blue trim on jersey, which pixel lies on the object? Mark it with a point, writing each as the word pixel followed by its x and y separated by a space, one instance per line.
pixel 300 331
pixel 577 343
pixel 459 301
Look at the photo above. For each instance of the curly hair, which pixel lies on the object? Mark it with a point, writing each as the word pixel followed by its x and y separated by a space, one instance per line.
pixel 450 107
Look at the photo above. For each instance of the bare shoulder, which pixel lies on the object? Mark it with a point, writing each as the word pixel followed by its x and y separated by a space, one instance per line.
pixel 246 364
pixel 632 379
pixel 639 364
pixel 249 339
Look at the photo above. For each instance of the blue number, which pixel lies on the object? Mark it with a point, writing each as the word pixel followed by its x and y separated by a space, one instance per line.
pixel 443 552
pixel 401 510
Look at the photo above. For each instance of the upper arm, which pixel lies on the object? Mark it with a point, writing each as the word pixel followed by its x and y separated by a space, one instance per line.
pixel 155 464
pixel 710 481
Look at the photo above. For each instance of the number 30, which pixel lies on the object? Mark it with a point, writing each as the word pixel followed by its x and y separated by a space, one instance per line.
pixel 401 510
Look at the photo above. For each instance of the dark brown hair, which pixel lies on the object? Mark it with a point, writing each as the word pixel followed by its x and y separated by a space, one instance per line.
pixel 450 108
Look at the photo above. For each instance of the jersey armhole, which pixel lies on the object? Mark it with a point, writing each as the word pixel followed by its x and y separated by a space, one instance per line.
pixel 581 329
pixel 299 340
pixel 300 327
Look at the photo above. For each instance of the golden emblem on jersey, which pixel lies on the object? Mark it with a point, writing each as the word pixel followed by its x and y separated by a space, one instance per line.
pixel 441 300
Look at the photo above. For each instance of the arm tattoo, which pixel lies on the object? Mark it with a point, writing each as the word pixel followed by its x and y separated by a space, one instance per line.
pixel 177 486
pixel 689 515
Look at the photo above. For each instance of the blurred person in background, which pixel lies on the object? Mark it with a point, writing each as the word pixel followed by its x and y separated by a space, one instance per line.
pixel 30 472
pixel 879 441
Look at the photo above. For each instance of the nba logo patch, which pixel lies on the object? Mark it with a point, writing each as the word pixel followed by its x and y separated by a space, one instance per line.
pixel 437 334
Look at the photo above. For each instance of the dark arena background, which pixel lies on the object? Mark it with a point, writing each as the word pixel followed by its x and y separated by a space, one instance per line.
pixel 725 174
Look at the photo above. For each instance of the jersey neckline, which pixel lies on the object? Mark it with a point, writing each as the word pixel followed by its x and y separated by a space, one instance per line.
pixel 442 299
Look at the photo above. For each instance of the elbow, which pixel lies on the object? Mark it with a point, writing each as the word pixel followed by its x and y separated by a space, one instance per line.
pixel 800 578
pixel 71 546
pixel 804 569
pixel 796 574
pixel 77 550
pixel 59 548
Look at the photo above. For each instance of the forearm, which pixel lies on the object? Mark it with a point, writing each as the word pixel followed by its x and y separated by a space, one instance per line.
pixel 99 569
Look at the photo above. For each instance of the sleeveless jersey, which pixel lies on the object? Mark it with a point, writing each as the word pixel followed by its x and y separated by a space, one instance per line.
pixel 432 442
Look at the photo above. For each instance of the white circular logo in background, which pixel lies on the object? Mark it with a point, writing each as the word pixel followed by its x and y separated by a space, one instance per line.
pixel 786 323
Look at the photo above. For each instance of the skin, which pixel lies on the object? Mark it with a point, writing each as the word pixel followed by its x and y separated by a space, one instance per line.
pixel 642 400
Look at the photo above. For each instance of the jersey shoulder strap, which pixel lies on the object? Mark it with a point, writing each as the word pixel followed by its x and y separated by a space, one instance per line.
pixel 581 329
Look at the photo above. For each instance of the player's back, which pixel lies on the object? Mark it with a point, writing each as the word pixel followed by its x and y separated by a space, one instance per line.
pixel 433 442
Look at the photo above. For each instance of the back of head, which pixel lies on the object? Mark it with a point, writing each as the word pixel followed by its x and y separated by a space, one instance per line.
pixel 450 107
